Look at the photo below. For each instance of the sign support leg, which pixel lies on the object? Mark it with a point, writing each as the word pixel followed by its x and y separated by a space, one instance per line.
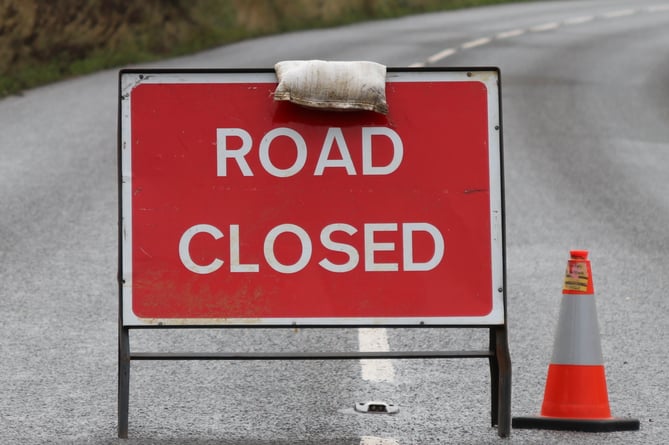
pixel 494 379
pixel 123 381
pixel 500 375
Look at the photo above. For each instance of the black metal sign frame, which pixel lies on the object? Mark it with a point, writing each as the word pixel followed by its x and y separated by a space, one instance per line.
pixel 497 352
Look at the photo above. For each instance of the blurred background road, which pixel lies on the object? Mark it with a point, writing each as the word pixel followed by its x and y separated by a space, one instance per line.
pixel 585 89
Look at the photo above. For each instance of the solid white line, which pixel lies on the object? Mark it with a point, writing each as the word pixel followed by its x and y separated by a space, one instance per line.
pixel 375 370
pixel 511 33
pixel 475 43
pixel 371 440
pixel 619 13
pixel 579 20
pixel 441 55
pixel 545 27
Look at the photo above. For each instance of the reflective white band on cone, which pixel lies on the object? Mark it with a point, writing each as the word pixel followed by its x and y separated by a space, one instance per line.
pixel 577 337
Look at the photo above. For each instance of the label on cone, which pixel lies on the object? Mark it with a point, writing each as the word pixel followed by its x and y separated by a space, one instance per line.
pixel 576 278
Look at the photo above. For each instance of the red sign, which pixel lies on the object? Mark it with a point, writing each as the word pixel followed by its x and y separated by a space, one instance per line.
pixel 240 209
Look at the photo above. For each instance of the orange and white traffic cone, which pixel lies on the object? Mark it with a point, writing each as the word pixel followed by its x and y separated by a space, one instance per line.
pixel 576 397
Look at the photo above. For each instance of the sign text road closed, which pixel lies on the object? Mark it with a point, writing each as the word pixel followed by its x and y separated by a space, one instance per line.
pixel 238 209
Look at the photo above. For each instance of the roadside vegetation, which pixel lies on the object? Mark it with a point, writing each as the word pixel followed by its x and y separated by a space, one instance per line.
pixel 44 41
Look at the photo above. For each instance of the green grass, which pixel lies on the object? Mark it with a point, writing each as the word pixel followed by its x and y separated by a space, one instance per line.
pixel 195 26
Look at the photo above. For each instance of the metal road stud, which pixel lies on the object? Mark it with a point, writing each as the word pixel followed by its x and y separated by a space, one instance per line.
pixel 576 397
pixel 376 407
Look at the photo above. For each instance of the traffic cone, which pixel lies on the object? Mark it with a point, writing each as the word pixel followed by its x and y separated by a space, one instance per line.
pixel 576 398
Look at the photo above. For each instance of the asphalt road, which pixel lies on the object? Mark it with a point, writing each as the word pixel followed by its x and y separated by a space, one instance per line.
pixel 586 111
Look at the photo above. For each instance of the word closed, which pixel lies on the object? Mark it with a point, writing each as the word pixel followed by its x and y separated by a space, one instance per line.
pixel 371 246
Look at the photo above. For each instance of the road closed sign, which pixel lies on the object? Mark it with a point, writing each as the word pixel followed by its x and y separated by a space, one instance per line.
pixel 237 209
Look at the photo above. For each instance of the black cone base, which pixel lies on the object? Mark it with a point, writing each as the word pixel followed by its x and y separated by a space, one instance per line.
pixel 585 425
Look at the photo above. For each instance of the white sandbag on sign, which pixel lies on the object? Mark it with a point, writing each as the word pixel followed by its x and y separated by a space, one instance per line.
pixel 333 85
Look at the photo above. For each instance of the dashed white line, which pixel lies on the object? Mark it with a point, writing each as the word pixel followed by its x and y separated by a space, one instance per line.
pixel 619 13
pixel 539 28
pixel 510 33
pixel 417 65
pixel 545 27
pixel 375 370
pixel 371 440
pixel 475 43
pixel 441 55
pixel 579 20
pixel 658 8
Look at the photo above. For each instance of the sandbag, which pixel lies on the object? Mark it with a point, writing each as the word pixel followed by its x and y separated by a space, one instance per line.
pixel 334 86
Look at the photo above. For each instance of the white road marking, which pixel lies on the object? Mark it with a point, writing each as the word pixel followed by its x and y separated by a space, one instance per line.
pixel 619 13
pixel 579 20
pixel 658 8
pixel 537 28
pixel 475 43
pixel 371 440
pixel 441 55
pixel 417 65
pixel 375 370
pixel 510 33
pixel 545 27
